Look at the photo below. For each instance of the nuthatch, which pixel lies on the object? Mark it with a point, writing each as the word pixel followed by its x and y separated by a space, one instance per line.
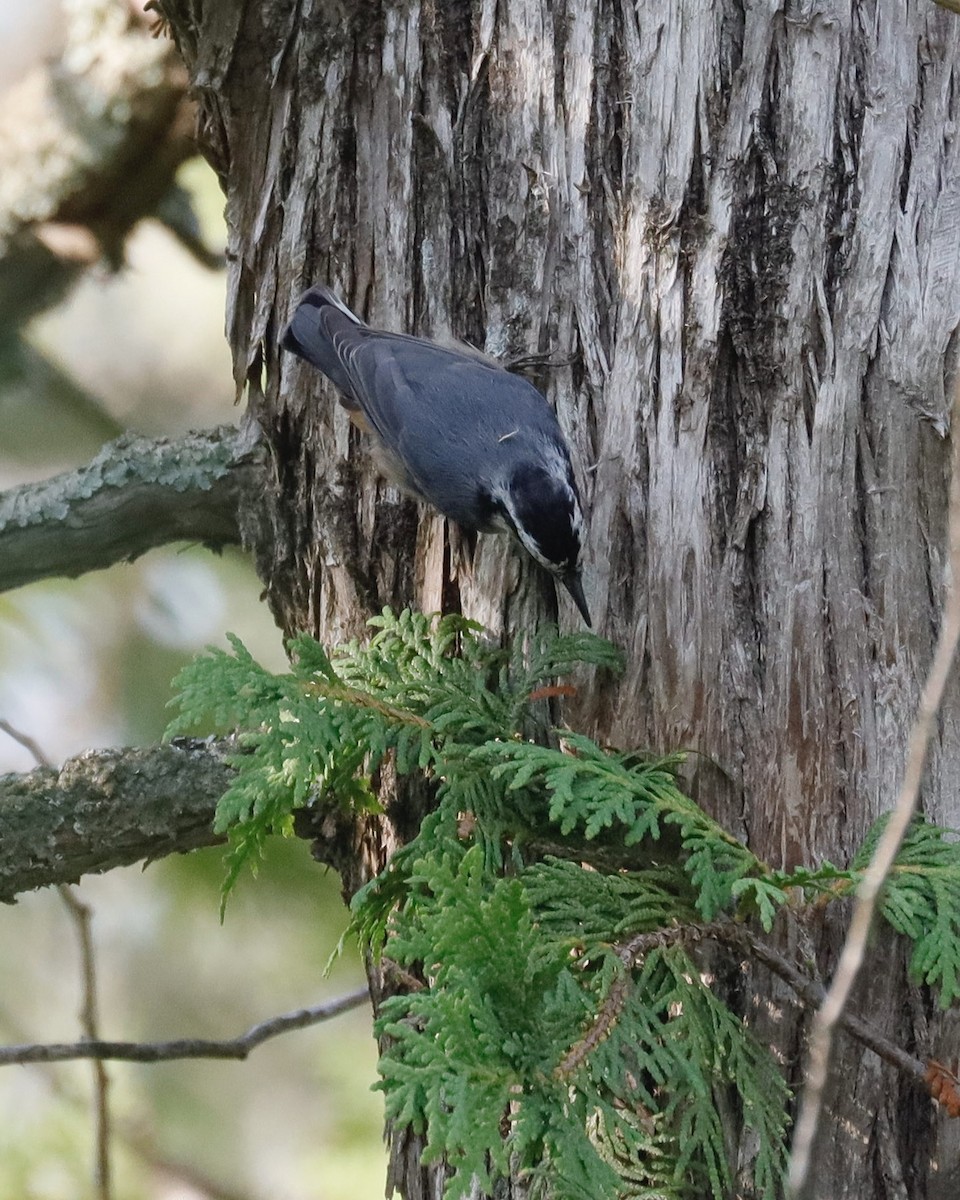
pixel 453 428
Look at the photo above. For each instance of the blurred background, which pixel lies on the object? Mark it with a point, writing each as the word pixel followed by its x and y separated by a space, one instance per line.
pixel 135 341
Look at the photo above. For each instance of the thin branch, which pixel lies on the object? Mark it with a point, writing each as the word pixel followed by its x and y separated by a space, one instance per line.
pixel 89 1023
pixel 854 947
pixel 132 1134
pixel 27 742
pixel 731 933
pixel 808 990
pixel 812 994
pixel 80 914
pixel 237 1048
pixel 138 493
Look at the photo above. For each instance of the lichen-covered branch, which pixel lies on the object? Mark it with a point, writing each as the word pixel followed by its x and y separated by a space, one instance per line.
pixel 108 808
pixel 138 493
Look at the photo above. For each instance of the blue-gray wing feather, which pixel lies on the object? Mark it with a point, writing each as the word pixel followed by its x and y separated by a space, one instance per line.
pixel 434 407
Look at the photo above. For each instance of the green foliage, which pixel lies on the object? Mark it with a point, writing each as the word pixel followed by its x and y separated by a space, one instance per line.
pixel 605 1074
pixel 591 790
pixel 921 899
pixel 563 1028
pixel 425 690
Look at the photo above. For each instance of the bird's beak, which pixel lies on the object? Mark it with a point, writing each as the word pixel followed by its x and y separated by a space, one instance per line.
pixel 573 585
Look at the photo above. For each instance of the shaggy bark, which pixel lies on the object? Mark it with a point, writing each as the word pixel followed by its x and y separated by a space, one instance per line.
pixel 742 223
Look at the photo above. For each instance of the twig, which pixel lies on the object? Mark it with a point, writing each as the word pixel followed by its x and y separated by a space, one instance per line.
pixel 808 990
pixel 27 742
pixel 731 933
pixel 237 1048
pixel 89 1023
pixel 132 1135
pixel 812 993
pixel 854 947
pixel 80 914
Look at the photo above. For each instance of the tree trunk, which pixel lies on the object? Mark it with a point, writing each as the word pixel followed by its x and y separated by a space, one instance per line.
pixel 736 226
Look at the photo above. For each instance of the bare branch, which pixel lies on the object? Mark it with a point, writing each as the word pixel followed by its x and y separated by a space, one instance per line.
pixel 27 742
pixel 109 808
pixel 809 991
pixel 149 1052
pixel 854 947
pixel 81 915
pixel 812 993
pixel 135 495
pixel 132 1133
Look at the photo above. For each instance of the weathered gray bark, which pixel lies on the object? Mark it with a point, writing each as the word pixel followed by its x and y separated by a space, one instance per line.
pixel 744 221
pixel 136 494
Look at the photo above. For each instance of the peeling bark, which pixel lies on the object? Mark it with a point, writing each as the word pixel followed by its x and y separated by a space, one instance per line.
pixel 742 222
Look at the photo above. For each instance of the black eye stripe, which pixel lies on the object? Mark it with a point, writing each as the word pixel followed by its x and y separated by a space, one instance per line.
pixel 544 507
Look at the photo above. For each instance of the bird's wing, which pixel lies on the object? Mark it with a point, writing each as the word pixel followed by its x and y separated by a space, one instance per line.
pixel 319 331
pixel 394 379
pixel 434 407
pixel 406 384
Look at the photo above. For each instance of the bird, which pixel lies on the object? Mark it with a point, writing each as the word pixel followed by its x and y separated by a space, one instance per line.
pixel 453 428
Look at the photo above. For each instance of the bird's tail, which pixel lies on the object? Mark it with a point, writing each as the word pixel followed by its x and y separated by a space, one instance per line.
pixel 312 333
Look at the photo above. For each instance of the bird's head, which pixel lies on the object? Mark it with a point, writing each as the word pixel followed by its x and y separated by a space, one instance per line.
pixel 541 505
